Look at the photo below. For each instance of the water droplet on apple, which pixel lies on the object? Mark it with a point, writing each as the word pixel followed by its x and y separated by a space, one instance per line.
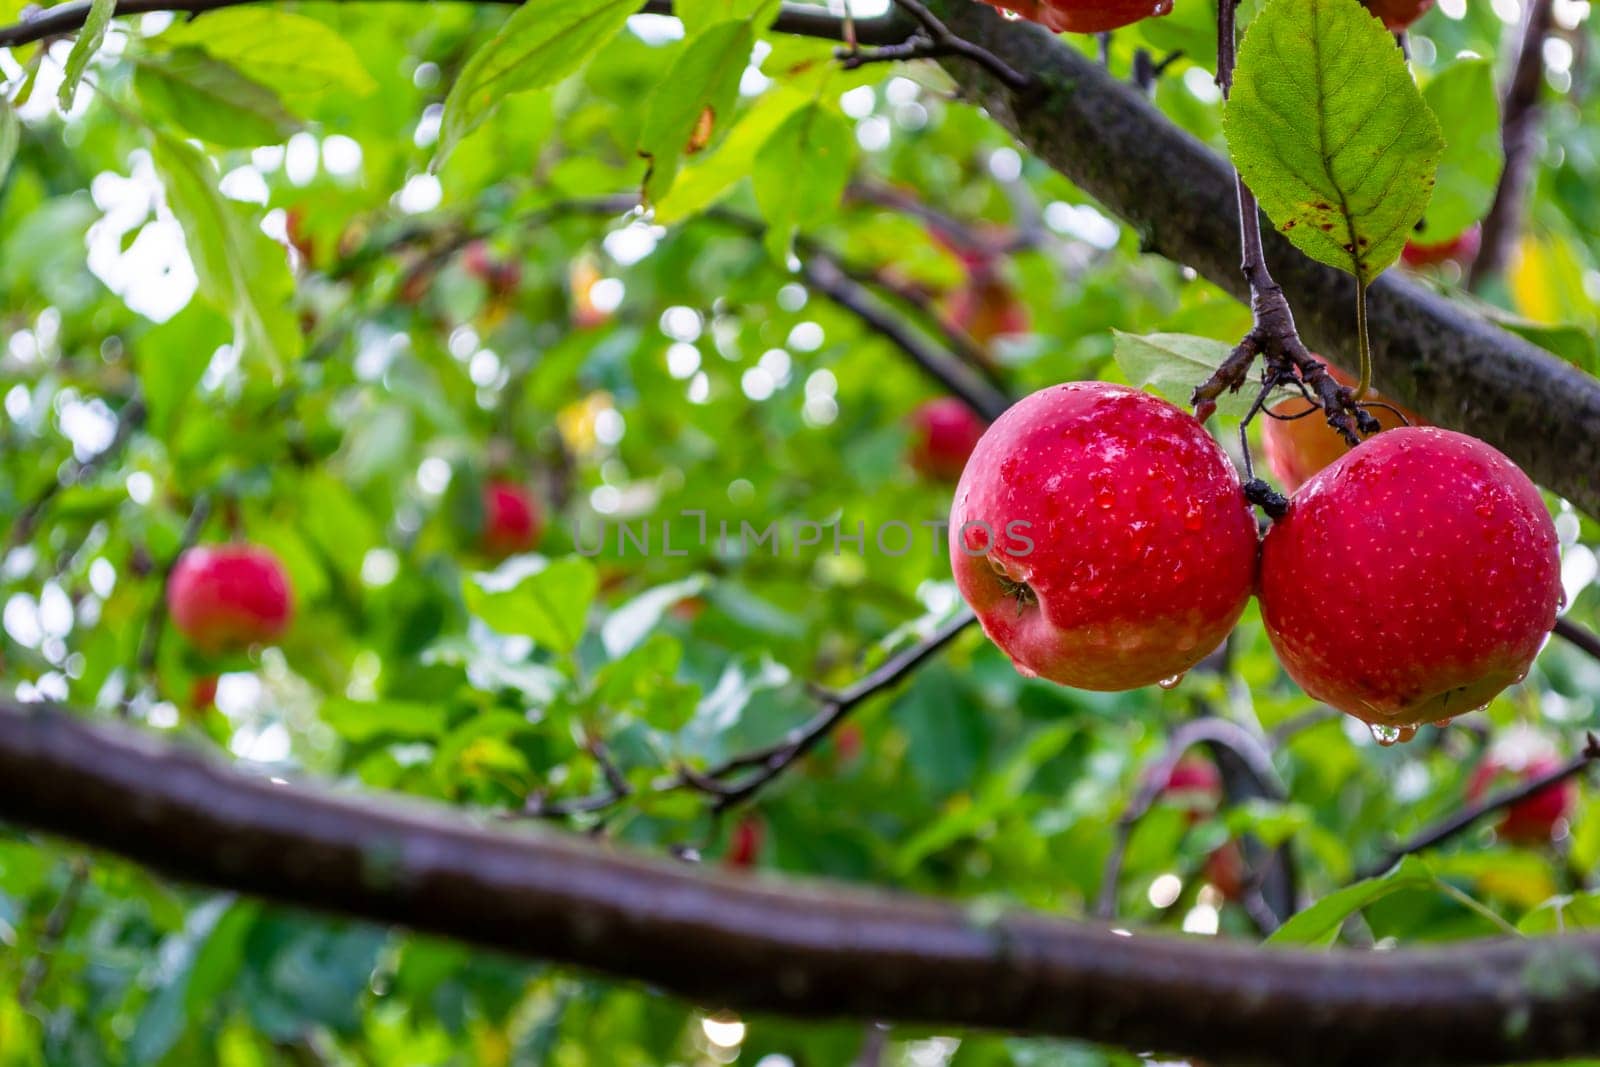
pixel 1385 735
pixel 1173 682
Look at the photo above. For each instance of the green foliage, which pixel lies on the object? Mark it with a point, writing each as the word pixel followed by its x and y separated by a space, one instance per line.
pixel 1335 141
pixel 1464 100
pixel 541 42
pixel 345 405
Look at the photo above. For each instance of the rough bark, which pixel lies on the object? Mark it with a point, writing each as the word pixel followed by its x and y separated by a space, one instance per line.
pixel 805 950
pixel 1436 357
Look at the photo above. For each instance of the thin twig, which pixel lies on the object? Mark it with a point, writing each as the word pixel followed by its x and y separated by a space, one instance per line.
pixel 1273 334
pixel 1465 817
pixel 1584 640
pixel 1206 729
pixel 754 770
pixel 933 41
pixel 797 19
pixel 55 927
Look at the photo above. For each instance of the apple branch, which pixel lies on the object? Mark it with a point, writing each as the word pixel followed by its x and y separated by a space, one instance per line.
pixel 1273 334
pixel 932 40
pixel 1584 640
pixel 1444 361
pixel 799 19
pixel 817 950
pixel 1467 816
pixel 739 778
pixel 1519 130
pixel 1207 729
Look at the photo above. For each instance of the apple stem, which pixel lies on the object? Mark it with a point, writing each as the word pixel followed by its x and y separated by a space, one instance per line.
pixel 1273 334
pixel 1363 340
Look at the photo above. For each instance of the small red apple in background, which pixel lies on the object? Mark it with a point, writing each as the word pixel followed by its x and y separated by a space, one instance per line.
pixel 1412 580
pixel 1225 871
pixel 1462 249
pixel 848 742
pixel 225 598
pixel 1195 785
pixel 1116 547
pixel 512 520
pixel 744 844
pixel 1085 16
pixel 502 278
pixel 203 694
pixel 1398 14
pixel 986 307
pixel 1296 449
pixel 943 434
pixel 1534 819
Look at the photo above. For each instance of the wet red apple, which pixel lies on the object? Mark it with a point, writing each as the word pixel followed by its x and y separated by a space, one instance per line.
pixel 1411 580
pixel 1463 249
pixel 1102 537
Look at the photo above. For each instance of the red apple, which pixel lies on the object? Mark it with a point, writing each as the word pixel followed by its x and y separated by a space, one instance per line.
pixel 986 307
pixel 1298 448
pixel 943 434
pixel 204 692
pixel 744 845
pixel 512 521
pixel 1102 537
pixel 1462 249
pixel 1534 819
pixel 1084 16
pixel 224 598
pixel 1411 580
pixel 1398 14
pixel 1225 871
pixel 1195 786
pixel 502 278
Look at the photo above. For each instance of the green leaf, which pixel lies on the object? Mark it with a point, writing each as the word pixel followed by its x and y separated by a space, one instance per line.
pixel 172 358
pixel 707 179
pixel 365 720
pixel 628 625
pixel 1329 131
pixel 697 15
pixel 1319 924
pixel 550 604
pixel 694 102
pixel 1464 100
pixel 301 57
pixel 90 38
pixel 211 99
pixel 1564 914
pixel 241 270
pixel 815 144
pixel 542 42
pixel 1172 364
pixel 10 137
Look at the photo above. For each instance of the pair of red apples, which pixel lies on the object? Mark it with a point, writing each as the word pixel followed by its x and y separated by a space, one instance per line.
pixel 1104 541
pixel 224 598
pixel 1094 16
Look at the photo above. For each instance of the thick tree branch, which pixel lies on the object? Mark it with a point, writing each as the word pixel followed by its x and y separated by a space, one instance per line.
pixel 798 19
pixel 818 951
pixel 1464 818
pixel 1519 136
pixel 1437 358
